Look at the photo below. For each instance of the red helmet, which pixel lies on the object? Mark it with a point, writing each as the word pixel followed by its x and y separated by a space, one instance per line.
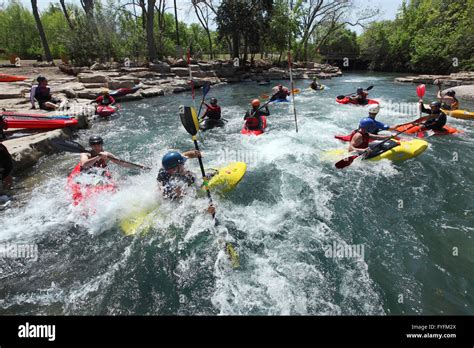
pixel 255 102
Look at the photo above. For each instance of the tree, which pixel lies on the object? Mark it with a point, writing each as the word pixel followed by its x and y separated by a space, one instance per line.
pixel 150 40
pixel 42 35
pixel 66 14
pixel 203 14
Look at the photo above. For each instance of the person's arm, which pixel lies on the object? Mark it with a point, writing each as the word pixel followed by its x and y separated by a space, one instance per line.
pixel 381 125
pixel 112 100
pixel 423 109
pixel 32 97
pixel 192 154
pixel 265 112
pixel 87 161
pixel 353 146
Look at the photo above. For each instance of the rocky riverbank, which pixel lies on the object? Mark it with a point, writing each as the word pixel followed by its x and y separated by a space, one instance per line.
pixel 78 86
pixel 462 82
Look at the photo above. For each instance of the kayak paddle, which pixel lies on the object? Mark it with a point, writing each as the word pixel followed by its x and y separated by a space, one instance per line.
pixel 72 146
pixel 190 122
pixel 292 88
pixel 343 96
pixel 346 162
pixel 205 89
pixel 420 91
pixel 266 96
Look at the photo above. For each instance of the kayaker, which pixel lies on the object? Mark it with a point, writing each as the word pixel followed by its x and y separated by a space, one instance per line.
pixel 6 167
pixel 99 157
pixel 253 117
pixel 360 137
pixel 315 85
pixel 378 126
pixel 173 178
pixel 42 94
pixel 360 97
pixel 448 100
pixel 281 92
pixel 212 116
pixel 105 99
pixel 3 125
pixel 437 120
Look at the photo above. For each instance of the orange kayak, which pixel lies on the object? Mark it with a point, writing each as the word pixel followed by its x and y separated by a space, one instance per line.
pixel 11 78
pixel 419 129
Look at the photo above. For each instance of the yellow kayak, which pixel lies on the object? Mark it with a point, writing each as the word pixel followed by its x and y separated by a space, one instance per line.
pixel 463 114
pixel 405 150
pixel 223 180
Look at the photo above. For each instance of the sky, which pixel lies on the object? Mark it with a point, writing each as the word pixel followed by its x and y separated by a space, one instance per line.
pixel 388 8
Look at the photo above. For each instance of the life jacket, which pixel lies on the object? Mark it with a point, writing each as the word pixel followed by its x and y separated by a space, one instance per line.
pixel 42 93
pixel 365 139
pixel 213 112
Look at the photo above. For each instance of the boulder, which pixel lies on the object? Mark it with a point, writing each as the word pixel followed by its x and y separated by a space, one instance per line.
pixel 152 92
pixel 205 66
pixel 88 93
pixel 181 72
pixel 92 78
pixel 463 92
pixel 144 74
pixel 133 96
pixel 94 85
pixel 116 84
pixel 9 92
pixel 160 67
pixel 99 66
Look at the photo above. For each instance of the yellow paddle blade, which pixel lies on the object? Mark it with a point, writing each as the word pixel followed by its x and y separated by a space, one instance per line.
pixel 296 91
pixel 234 258
pixel 264 96
pixel 195 118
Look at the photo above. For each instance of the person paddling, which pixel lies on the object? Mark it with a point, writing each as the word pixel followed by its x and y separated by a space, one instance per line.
pixel 212 115
pixel 437 119
pixel 448 100
pixel 360 137
pixel 105 99
pixel 316 85
pixel 281 92
pixel 99 157
pixel 42 94
pixel 378 126
pixel 253 117
pixel 173 178
pixel 360 97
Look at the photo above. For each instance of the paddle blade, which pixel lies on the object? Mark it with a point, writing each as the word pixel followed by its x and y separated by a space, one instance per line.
pixel 346 162
pixel 68 146
pixel 369 88
pixel 233 256
pixel 420 90
pixel 264 96
pixel 206 88
pixel 296 91
pixel 189 119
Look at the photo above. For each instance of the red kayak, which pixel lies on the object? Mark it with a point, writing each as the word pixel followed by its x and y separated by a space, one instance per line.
pixel 255 132
pixel 124 91
pixel 105 110
pixel 348 138
pixel 420 132
pixel 347 100
pixel 11 78
pixel 84 185
pixel 33 116
pixel 39 122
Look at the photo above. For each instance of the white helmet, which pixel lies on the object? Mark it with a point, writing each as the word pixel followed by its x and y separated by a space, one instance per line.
pixel 374 109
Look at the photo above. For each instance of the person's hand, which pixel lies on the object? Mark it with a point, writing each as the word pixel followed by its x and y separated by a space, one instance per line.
pixel 105 155
pixel 192 154
pixel 211 209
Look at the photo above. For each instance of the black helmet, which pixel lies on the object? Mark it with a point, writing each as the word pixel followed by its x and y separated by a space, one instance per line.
pixel 360 90
pixel 41 78
pixel 435 104
pixel 213 101
pixel 451 93
pixel 95 140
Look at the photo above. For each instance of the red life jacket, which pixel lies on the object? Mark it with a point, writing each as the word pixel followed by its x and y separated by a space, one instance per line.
pixel 365 139
pixel 252 123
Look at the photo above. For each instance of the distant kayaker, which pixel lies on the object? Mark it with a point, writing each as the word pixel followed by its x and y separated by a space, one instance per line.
pixel 212 116
pixel 448 100
pixel 253 117
pixel 42 94
pixel 173 178
pixel 99 157
pixel 316 85
pixel 378 126
pixel 360 137
pixel 105 99
pixel 281 92
pixel 360 97
pixel 3 125
pixel 6 167
pixel 437 119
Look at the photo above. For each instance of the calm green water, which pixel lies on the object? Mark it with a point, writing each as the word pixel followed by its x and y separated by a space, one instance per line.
pixel 291 206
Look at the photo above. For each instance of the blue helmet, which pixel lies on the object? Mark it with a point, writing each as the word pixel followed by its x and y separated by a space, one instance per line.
pixel 172 159
pixel 367 123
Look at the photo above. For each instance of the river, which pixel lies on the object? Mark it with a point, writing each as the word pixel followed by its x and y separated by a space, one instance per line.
pixel 413 221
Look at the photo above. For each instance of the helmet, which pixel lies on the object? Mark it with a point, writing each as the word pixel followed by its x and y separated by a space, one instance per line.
pixel 360 90
pixel 105 91
pixel 172 159
pixel 41 78
pixel 366 123
pixel 435 104
pixel 213 101
pixel 255 102
pixel 95 140
pixel 451 93
pixel 374 109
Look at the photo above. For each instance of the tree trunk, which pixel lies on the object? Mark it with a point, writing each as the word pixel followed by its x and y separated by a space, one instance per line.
pixel 143 7
pixel 66 14
pixel 88 6
pixel 176 21
pixel 42 35
pixel 235 44
pixel 210 43
pixel 149 31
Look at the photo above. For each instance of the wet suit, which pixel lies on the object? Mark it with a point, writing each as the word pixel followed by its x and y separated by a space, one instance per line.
pixel 437 123
pixel 281 94
pixel 378 127
pixel 42 94
pixel 213 114
pixel 253 120
pixel 171 182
